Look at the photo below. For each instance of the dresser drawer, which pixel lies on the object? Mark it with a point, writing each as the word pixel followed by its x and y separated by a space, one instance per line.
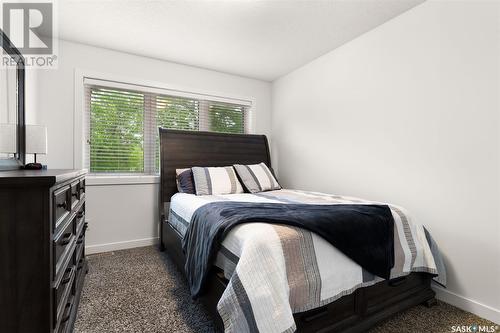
pixel 64 321
pixel 79 256
pixel 63 244
pixel 80 242
pixel 61 205
pixel 75 193
pixel 80 274
pixel 63 291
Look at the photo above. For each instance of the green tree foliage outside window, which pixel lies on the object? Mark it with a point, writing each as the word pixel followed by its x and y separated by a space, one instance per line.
pixel 121 121
pixel 178 113
pixel 226 118
pixel 175 113
pixel 116 136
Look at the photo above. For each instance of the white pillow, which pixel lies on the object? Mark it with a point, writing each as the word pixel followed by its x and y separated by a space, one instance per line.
pixel 216 180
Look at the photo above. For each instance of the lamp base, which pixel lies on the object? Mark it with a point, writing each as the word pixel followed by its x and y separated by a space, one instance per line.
pixel 33 166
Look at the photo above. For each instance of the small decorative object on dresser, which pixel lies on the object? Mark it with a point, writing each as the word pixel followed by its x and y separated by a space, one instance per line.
pixel 42 249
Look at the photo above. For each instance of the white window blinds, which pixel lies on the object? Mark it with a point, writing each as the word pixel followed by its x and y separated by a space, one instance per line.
pixel 121 127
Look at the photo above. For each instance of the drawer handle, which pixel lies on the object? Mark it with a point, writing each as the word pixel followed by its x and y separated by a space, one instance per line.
pixel 74 194
pixel 80 240
pixel 67 279
pixel 66 317
pixel 79 215
pixel 62 205
pixel 397 281
pixel 66 239
pixel 318 314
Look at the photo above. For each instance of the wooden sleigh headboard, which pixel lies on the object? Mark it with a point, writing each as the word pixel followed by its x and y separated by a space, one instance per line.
pixel 186 149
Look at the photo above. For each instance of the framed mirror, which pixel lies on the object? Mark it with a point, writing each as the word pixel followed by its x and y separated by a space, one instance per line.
pixel 12 129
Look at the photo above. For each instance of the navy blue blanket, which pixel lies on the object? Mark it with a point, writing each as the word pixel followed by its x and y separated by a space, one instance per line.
pixel 364 233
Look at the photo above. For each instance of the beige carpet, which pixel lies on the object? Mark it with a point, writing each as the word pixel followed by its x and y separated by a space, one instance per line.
pixel 140 290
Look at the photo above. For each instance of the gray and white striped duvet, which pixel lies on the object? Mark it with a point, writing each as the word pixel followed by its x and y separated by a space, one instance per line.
pixel 277 270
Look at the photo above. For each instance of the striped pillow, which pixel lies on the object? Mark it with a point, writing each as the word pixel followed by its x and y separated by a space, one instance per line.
pixel 184 180
pixel 257 177
pixel 216 180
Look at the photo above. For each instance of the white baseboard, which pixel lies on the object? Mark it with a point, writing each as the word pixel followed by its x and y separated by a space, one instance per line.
pixel 467 304
pixel 91 249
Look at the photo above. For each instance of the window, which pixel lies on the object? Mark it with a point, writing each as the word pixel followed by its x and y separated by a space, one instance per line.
pixel 226 118
pixel 116 131
pixel 122 125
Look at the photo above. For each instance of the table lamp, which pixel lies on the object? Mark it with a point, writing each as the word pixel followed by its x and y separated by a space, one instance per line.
pixel 8 138
pixel 36 143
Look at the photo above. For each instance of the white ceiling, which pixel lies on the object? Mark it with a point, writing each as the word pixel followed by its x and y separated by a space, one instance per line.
pixel 257 39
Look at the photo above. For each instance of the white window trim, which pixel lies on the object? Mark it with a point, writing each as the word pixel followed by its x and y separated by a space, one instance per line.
pixel 79 118
pixel 101 180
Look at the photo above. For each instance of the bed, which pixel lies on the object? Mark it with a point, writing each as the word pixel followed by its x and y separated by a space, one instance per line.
pixel 354 311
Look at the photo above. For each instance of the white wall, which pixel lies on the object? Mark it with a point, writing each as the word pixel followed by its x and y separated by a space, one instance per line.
pixel 124 215
pixel 31 95
pixel 409 113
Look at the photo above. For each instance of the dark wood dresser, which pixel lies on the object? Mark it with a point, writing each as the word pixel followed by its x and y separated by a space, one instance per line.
pixel 42 249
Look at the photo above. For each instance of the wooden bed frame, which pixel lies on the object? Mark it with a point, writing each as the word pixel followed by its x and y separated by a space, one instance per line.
pixel 356 312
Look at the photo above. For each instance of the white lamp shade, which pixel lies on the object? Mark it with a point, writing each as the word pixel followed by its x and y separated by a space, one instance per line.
pixel 36 139
pixel 8 138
